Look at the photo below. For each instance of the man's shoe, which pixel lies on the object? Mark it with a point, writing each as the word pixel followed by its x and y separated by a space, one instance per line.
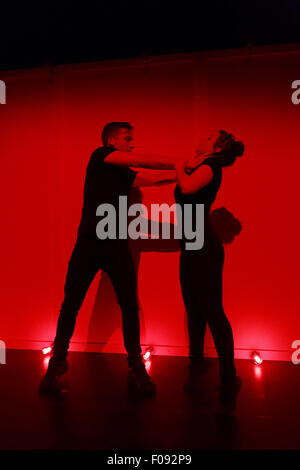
pixel 56 368
pixel 140 382
pixel 228 397
pixel 196 371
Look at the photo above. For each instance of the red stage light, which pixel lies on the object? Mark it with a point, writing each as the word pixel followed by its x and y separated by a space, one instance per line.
pixel 47 350
pixel 256 358
pixel 148 353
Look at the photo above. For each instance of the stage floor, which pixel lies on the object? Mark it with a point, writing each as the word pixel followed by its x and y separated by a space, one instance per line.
pixel 95 410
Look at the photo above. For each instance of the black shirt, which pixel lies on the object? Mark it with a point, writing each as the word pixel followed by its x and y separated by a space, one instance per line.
pixel 205 195
pixel 104 183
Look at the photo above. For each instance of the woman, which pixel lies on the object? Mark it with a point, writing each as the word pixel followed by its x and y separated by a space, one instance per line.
pixel 201 270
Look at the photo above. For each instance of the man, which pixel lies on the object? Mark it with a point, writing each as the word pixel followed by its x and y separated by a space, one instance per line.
pixel 108 176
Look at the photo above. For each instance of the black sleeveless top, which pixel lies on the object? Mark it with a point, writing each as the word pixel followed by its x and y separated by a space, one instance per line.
pixel 205 195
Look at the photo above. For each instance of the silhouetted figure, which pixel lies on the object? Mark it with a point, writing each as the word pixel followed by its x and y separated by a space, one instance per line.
pixel 201 270
pixel 108 177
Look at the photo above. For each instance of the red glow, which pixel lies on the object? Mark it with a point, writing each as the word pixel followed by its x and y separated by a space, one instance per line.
pixel 148 365
pixel 258 372
pixel 147 355
pixel 47 350
pixel 46 362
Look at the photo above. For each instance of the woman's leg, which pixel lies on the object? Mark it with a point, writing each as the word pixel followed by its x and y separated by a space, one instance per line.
pixel 201 281
pixel 209 264
pixel 195 320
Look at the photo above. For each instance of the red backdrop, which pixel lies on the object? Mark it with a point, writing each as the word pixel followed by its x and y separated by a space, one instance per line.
pixel 49 127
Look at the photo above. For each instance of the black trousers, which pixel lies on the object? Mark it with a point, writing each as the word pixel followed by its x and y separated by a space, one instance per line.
pixel 114 257
pixel 201 283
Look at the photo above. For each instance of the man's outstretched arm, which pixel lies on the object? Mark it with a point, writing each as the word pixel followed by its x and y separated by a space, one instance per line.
pixel 154 178
pixel 139 160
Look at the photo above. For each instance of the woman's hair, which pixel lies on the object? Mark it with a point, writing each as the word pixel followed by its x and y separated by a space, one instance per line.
pixel 227 148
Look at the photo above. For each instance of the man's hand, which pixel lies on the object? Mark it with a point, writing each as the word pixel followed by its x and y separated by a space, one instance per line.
pixel 191 164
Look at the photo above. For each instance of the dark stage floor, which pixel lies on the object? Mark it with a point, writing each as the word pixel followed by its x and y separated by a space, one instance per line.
pixel 96 412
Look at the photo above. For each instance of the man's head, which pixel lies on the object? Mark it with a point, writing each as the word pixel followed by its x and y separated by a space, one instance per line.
pixel 118 135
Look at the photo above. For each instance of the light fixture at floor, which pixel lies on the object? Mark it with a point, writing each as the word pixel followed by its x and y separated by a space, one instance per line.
pixel 46 351
pixel 147 353
pixel 256 358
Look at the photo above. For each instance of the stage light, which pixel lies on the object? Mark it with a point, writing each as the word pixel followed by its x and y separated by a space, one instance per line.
pixel 148 353
pixel 47 350
pixel 256 358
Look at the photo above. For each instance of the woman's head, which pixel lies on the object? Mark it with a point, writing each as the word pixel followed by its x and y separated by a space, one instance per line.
pixel 227 148
pixel 222 145
pixel 206 144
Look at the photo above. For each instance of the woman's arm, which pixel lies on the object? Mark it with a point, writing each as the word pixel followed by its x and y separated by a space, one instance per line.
pixel 191 183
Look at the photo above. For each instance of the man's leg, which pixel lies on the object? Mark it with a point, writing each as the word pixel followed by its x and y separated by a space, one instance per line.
pixel 122 273
pixel 83 266
pixel 121 270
